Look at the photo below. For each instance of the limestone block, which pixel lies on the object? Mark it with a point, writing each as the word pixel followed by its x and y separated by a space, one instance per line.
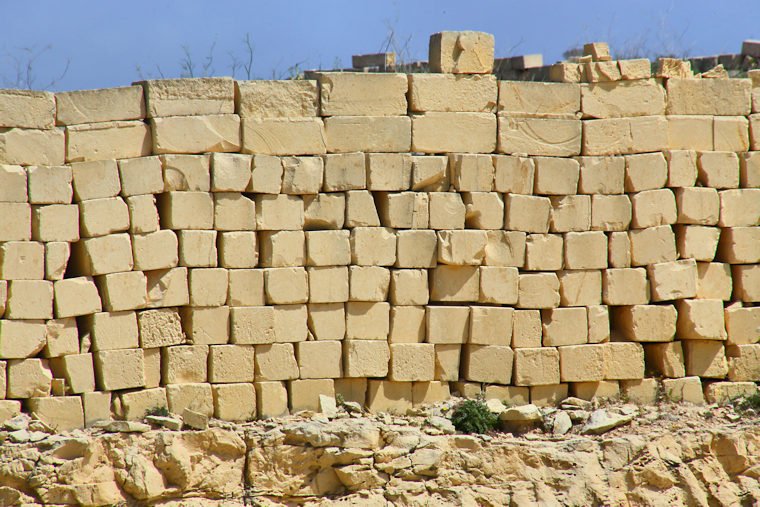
pixel 580 287
pixel 56 259
pixel 484 210
pixel 286 285
pixel 279 212
pixel 252 325
pixel 446 92
pixel 206 325
pixel 99 217
pixel 368 134
pixel 625 286
pixel 471 173
pixel 282 248
pixel 740 208
pixel 705 358
pixel 328 248
pixel 697 242
pixel 62 337
pixel 290 323
pixel 97 407
pixel 266 175
pixel 637 68
pixel 746 282
pixel 623 361
pixel 611 212
pixel 196 134
pixel 22 260
pixel 196 397
pixel 246 287
pixel 550 137
pixel 696 205
pixel 237 249
pixel 228 405
pixel 29 299
pixel 283 136
pixel 727 97
pixel 387 396
pixel 652 245
pixel 461 247
pixel 543 252
pixel 642 97
pixel 742 325
pixel 369 283
pixel 187 210
pixel 320 359
pixel 27 109
pixel 404 210
pixel 366 358
pixel 738 245
pixel 714 281
pixel 76 296
pixel 620 136
pixel 499 285
pixel 123 291
pixel 688 389
pixel 731 133
pixel 167 287
pixel 208 287
pixel 361 210
pixel 487 363
pixel 407 324
pixel 601 71
pixel 95 180
pixel 271 399
pixel 305 394
pixel 536 366
pixel 3 296
pixel 111 330
pixel 157 250
pixel 743 362
pixel 32 147
pixel 345 171
pixel 324 211
pixel 362 94
pixel 673 280
pixel 94 106
pixel 570 213
pixel 566 72
pixel 367 321
pixel 652 208
pixel 750 170
pixel 13 184
pixel 20 339
pixel 461 52
pixel 135 405
pixel 372 246
pixel 77 370
pixel 140 176
pixel 564 326
pixel 9 409
pixel 108 140
pixel 690 132
pixel 229 363
pixel 701 319
pixel 585 250
pixel 424 393
pixel 538 290
pixel 600 390
pixel 490 325
pixel 646 323
pixel 529 98
pixel 62 413
pixel 328 284
pixel 233 212
pixel 556 176
pixel 725 392
pixel 448 324
pixel 581 363
pixel 447 358
pixel 646 171
pixel 666 359
pixel 276 99
pixel 447 210
pixel 186 173
pixel 119 369
pixel 439 132
pixel 159 328
pixel 598 324
pixel 302 175
pixel 682 168
pixel 430 173
pixel 527 213
pixel 601 175
pixel 412 362
pixel 180 97
pixel 513 175
pixel 718 169
pixel 143 214
pixel 27 378
pixel 46 185
pixel 455 283
pixel 416 249
pixel 276 361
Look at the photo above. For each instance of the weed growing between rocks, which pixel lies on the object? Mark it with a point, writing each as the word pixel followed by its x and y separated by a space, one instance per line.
pixel 473 416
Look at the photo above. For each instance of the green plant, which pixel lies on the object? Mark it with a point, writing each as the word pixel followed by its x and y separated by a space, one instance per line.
pixel 340 400
pixel 751 402
pixel 158 411
pixel 473 416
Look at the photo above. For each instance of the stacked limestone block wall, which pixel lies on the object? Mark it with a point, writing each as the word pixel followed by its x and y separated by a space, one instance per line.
pixel 240 248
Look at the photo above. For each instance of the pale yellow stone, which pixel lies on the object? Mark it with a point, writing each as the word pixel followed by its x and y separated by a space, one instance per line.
pixel 439 132
pixel 618 136
pixel 537 99
pixel 32 147
pixel 464 52
pixel 362 94
pixel 725 97
pixel 276 99
pixel 447 92
pixel 643 97
pixel 487 363
pixel 539 136
pixel 369 134
pixel 109 140
pixel 536 366
pixel 27 109
pixel 538 290
pixel 646 323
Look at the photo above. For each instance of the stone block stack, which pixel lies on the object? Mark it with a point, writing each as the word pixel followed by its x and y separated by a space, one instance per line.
pixel 241 248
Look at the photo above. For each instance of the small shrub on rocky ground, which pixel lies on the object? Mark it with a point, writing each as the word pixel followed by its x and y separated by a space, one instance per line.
pixel 473 416
pixel 749 403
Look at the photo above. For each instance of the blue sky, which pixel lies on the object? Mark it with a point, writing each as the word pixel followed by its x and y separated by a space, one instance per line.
pixel 104 42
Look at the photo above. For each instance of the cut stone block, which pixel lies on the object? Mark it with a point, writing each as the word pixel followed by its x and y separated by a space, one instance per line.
pixel 123 291
pixel 580 288
pixel 29 299
pixel 549 137
pixel 490 325
pixel 538 290
pixel 32 147
pixel 208 287
pixel 437 132
pixel 499 285
pixel 416 249
pixel 461 52
pixel 196 134
pixel 471 173
pixel 513 175
pixel 625 286
pixel 581 363
pixel 387 396
pixel 108 140
pixel 252 325
pixel 447 211
pixel 570 213
pixel 234 402
pixel 641 97
pixel 290 323
pixel 743 363
pixel 455 283
pixel 367 321
pixel 119 369
pixel 362 94
pixel 75 297
pixel 181 97
pixel 701 319
pixel 705 358
pixel 543 252
pixel 306 394
pixel 276 99
pixel 27 109
pixel 729 97
pixel 22 260
pixel 448 324
pixel 276 361
pixel 320 359
pixel 62 413
pixel 487 363
pixel 411 362
pixel 673 280
pixel 646 323
pixel 623 361
pixel 159 328
pixel 564 326
pixel 369 283
pixel 443 92
pixel 652 208
pixel 368 134
pixel 536 366
pixel 528 98
pixel 610 212
pixel 652 245
pixel 527 213
pixel 688 389
pixel 407 324
pixel 365 358
pixel 94 106
pixel 622 136
pixel 186 210
pixel 230 363
pixel 328 284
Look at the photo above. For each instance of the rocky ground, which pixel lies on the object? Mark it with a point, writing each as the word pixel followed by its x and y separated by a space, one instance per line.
pixel 579 454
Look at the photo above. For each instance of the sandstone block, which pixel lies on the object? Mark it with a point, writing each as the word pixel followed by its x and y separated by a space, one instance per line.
pixel 167 287
pixel 731 133
pixel 237 249
pixel 140 176
pixel 246 287
pixel 284 136
pixel 430 392
pixel 183 364
pixel 725 392
pixel 135 405
pixel 652 245
pixel 430 173
pixel 556 176
pixel 276 99
pixel 119 369
pixel 27 109
pixel 621 136
pixel 484 210
pixel 29 299
pixel 646 323
pixel 718 169
pixel 324 211
pixel 279 212
pixel 344 172
pixel 387 396
pixel 252 325
pixel 407 324
pixel 13 184
pixel 690 132
pixel 527 213
pixel 412 362
pixel 361 210
pixel 487 363
pixel 438 132
pixel 445 92
pixel 666 359
pixel 447 210
pixel 48 185
pixel 290 323
pixel 369 134
pixel 186 173
pixel 56 259
pixel 99 217
pixel 536 366
pixel 123 291
pixel 673 280
pixel 730 97
pixel 32 147
pixel 271 399
pixel 194 397
pixel 603 389
pixel 229 363
pixel 27 378
pixel 548 137
pixel 652 208
pixel 361 94
pixel 159 328
pixel 750 170
pixel 746 282
pixel 564 326
pixel 580 288
pixel 282 248
pixel 471 172
pixel 455 283
pixel 233 212
pixel 461 52
pixel 740 208
pixel 623 361
pixel 365 358
pixel 409 287
pixel 234 402
pixel 305 394
pixel 62 336
pixel 538 290
pixel 625 286
pixel 688 389
pixel 646 171
pixel 585 250
pixel 601 175
pixel 490 325
pixel 367 320
pixel 701 319
pixel 196 134
pixel 109 140
pixel 596 72
pixel 637 68
pixel 738 245
pixel 22 260
pixel 714 281
pixel 461 247
pixel 404 210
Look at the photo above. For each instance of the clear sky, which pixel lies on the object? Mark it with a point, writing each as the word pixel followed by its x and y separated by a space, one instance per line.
pixel 106 41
